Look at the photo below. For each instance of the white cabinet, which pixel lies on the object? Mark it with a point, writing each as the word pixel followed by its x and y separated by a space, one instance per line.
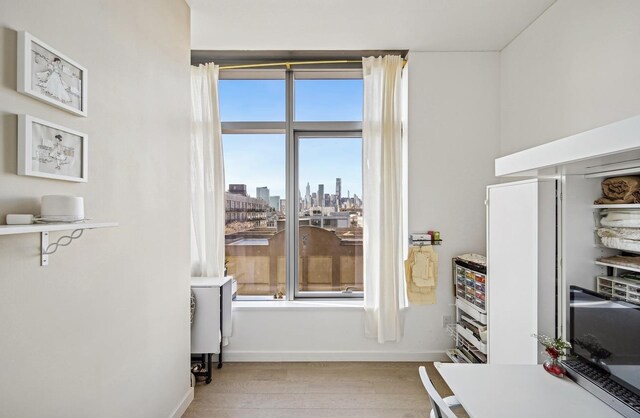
pixel 212 318
pixel 521 260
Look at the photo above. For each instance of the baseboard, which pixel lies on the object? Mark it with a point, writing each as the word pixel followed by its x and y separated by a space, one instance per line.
pixel 280 356
pixel 183 405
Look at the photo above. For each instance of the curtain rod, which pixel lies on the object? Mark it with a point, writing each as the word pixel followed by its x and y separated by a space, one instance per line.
pixel 288 64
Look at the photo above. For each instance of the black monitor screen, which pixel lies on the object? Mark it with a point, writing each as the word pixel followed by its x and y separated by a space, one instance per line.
pixel 606 332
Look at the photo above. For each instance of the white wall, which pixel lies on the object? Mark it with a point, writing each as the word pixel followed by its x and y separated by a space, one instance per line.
pixel 103 330
pixel 453 140
pixel 575 68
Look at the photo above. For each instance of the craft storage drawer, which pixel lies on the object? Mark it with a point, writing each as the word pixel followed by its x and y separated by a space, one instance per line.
pixel 605 282
pixel 479 303
pixel 605 289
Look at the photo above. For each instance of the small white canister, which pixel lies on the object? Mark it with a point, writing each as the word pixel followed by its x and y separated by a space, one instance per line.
pixel 62 208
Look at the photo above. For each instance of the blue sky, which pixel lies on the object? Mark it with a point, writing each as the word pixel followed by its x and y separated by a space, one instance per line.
pixel 259 160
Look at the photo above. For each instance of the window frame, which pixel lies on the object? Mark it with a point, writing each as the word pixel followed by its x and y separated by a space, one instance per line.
pixel 293 130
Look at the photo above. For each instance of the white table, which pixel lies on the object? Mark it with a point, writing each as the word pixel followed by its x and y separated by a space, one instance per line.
pixel 523 391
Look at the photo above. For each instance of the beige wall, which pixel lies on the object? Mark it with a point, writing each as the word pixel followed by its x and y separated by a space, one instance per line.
pixel 103 330
pixel 575 68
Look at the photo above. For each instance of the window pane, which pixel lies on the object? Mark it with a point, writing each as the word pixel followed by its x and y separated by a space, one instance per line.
pixel 330 229
pixel 328 100
pixel 252 100
pixel 255 227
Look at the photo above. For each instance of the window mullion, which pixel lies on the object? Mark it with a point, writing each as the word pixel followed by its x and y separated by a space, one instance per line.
pixel 292 198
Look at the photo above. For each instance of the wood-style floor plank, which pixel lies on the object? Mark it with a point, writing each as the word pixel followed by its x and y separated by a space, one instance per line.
pixel 315 390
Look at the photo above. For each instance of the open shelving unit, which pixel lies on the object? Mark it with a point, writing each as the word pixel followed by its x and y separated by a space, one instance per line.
pixel 47 249
pixel 470 327
pixel 612 284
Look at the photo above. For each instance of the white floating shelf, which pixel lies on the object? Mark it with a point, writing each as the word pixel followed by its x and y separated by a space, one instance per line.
pixel 44 229
pixel 626 206
pixel 28 229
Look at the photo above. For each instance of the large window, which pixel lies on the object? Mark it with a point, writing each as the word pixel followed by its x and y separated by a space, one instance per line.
pixel 293 157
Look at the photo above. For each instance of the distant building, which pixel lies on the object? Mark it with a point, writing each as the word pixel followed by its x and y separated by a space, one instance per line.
pixel 338 188
pixel 320 194
pixel 332 220
pixel 240 189
pixel 262 193
pixel 307 197
pixel 274 202
pixel 241 208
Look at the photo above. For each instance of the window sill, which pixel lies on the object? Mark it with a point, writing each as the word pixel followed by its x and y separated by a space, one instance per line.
pixel 294 305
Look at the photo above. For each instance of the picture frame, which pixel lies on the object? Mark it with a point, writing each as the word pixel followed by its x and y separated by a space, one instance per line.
pixel 51 151
pixel 49 76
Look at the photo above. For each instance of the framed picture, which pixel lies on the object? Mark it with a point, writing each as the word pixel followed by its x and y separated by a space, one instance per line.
pixel 47 75
pixel 51 151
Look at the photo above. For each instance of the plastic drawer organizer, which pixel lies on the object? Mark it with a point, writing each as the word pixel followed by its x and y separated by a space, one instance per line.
pixel 627 289
pixel 470 328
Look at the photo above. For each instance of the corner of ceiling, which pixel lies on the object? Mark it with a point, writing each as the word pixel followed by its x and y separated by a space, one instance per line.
pixel 528 25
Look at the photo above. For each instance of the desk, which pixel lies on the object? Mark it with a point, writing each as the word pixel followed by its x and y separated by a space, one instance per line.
pixel 527 391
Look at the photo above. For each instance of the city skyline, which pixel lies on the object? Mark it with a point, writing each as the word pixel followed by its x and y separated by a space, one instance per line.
pixel 264 193
pixel 259 161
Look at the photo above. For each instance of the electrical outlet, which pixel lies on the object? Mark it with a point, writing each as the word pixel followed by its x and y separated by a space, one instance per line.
pixel 446 320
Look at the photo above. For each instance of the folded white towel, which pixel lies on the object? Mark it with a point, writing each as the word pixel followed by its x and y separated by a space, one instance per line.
pixel 626 233
pixel 622 223
pixel 621 244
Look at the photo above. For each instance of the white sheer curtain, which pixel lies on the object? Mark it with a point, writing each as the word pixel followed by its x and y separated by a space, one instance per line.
pixel 207 175
pixel 384 292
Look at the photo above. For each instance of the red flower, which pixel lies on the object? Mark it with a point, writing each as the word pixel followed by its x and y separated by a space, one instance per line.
pixel 552 352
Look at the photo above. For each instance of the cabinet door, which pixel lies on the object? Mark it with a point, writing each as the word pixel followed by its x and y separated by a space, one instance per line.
pixel 515 228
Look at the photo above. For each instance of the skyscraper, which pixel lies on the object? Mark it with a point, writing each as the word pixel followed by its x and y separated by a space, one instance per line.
pixel 320 194
pixel 307 197
pixel 262 193
pixel 274 202
pixel 338 188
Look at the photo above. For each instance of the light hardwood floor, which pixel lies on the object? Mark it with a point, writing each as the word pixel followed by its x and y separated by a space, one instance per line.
pixel 313 390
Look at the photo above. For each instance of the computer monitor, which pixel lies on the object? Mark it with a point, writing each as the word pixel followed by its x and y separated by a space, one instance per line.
pixel 605 332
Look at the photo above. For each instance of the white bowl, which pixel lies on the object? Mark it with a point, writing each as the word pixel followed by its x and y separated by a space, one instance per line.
pixel 61 208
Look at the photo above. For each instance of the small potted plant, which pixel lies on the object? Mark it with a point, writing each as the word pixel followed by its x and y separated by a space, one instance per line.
pixel 554 348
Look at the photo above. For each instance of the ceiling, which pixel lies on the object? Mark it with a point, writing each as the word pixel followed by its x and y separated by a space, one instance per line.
pixel 420 25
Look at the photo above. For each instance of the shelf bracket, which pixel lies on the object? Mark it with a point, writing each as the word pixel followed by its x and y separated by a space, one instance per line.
pixel 47 249
pixel 44 244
